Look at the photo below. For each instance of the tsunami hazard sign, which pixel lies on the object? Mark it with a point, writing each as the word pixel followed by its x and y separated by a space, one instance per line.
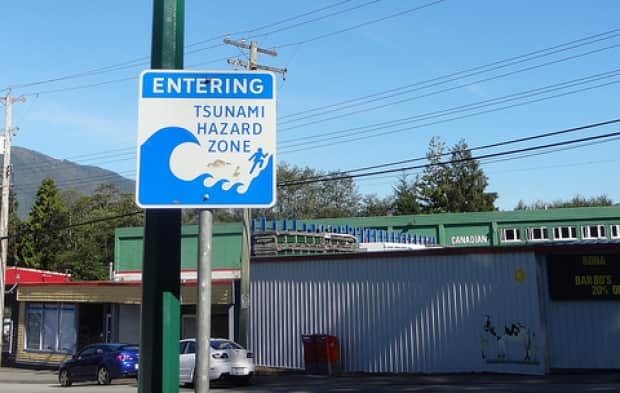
pixel 206 139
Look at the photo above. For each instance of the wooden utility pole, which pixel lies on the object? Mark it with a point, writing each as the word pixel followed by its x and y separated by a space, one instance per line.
pixel 246 244
pixel 8 102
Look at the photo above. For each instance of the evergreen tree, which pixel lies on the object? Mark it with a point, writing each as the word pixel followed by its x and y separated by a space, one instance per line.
pixel 42 236
pixel 372 206
pixel 405 199
pixel 467 193
pixel 435 185
pixel 455 184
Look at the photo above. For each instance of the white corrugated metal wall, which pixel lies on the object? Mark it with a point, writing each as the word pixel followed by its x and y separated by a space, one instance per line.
pixel 414 314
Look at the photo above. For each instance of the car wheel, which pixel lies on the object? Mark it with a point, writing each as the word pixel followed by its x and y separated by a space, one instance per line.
pixel 64 378
pixel 103 376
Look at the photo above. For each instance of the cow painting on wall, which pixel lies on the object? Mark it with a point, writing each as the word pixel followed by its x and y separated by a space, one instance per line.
pixel 515 343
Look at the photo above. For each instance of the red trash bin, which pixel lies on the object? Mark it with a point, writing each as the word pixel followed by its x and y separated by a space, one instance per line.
pixel 328 354
pixel 310 353
pixel 332 347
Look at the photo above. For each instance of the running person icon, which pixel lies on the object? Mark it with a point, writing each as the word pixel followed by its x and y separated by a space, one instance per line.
pixel 259 159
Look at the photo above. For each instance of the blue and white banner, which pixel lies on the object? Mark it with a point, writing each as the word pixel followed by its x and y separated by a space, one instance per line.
pixel 206 139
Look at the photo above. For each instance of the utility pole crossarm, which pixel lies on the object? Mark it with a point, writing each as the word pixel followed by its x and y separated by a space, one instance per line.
pixel 242 44
pixel 245 64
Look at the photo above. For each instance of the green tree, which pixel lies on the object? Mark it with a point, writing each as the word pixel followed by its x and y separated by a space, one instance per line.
pixel 338 198
pixel 405 198
pixel 435 185
pixel 467 193
pixel 576 201
pixel 331 198
pixel 90 236
pixel 42 238
pixel 372 205
pixel 454 184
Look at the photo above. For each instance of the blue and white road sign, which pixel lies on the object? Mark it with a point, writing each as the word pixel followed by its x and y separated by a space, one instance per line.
pixel 206 139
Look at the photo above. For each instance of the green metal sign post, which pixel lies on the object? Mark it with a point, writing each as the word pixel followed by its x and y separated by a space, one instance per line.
pixel 160 330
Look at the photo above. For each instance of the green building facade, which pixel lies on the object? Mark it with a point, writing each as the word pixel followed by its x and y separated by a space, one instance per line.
pixel 496 228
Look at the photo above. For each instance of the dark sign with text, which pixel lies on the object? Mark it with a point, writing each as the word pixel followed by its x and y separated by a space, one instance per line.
pixel 584 277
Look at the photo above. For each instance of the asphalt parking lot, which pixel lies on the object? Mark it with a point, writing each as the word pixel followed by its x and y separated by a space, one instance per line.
pixel 31 381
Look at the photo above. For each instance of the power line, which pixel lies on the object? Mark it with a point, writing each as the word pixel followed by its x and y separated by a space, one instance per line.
pixel 556 150
pixel 311 137
pixel 327 179
pixel 130 214
pixel 317 19
pixel 141 61
pixel 487 146
pixel 490 101
pixel 356 131
pixel 573 164
pixel 221 45
pixel 352 134
pixel 433 93
pixel 490 155
pixel 483 68
pixel 364 24
pixel 263 27
pixel 89 222
pixel 476 148
pixel 588 40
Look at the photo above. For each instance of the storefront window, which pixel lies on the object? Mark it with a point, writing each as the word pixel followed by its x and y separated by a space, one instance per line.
pixel 50 328
pixel 33 326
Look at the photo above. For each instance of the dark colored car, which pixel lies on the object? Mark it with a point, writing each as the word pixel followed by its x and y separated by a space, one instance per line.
pixel 101 363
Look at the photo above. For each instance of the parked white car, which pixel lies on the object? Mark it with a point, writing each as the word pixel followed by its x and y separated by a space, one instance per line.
pixel 227 361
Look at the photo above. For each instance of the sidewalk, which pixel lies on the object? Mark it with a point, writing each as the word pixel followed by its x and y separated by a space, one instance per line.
pixel 20 375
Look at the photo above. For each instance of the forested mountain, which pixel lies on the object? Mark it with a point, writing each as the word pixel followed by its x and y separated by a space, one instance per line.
pixel 31 167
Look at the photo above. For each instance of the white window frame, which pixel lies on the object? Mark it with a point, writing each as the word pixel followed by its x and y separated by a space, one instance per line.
pixel 572 232
pixel 543 230
pixel 614 228
pixel 586 231
pixel 515 238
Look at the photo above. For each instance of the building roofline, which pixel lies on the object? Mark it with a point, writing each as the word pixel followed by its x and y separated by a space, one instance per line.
pixel 567 248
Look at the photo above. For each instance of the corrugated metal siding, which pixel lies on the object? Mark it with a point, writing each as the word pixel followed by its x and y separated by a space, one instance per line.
pixel 129 323
pixel 583 334
pixel 395 314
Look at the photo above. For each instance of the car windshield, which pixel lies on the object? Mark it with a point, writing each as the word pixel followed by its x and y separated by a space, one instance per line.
pixel 224 344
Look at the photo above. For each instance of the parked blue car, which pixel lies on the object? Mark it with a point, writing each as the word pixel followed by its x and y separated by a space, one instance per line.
pixel 101 363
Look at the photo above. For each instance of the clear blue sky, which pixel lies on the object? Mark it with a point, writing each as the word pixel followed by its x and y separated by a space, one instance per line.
pixel 96 125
